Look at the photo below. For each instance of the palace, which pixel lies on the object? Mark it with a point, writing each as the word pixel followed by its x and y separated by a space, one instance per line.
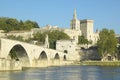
pixel 77 28
pixel 85 27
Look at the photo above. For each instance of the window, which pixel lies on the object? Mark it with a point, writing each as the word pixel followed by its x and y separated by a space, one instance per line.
pixel 65 51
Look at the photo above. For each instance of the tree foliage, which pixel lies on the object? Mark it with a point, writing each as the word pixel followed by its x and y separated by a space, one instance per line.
pixel 53 37
pixel 40 37
pixel 107 42
pixel 13 54
pixel 9 24
pixel 19 38
pixel 82 40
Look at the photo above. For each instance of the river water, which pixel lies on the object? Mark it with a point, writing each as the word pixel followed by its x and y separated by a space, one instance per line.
pixel 64 73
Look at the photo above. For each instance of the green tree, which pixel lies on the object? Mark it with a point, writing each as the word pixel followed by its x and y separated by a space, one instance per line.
pixel 30 24
pixel 82 40
pixel 40 37
pixel 19 38
pixel 118 51
pixel 10 24
pixel 53 37
pixel 107 42
pixel 56 35
pixel 13 23
pixel 21 25
pixel 4 24
pixel 13 54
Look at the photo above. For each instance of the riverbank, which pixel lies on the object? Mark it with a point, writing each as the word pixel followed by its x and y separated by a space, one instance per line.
pixel 99 63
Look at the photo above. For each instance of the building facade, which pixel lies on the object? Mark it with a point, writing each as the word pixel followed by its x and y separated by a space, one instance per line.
pixel 77 28
pixel 69 47
pixel 85 27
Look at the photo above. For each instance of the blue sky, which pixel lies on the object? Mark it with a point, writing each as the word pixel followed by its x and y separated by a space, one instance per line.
pixel 105 13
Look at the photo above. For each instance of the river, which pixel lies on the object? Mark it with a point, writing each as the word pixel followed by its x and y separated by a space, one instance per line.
pixel 64 73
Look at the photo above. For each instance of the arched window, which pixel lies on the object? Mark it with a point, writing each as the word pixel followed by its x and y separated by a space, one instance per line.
pixel 64 58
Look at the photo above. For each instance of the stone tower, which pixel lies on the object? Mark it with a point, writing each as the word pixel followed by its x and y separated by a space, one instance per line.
pixel 46 42
pixel 86 27
pixel 75 23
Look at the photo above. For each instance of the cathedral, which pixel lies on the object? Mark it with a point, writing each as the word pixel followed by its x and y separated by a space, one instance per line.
pixel 82 28
pixel 77 28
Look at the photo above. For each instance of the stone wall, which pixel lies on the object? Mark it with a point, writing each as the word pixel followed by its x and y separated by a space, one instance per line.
pixel 7 64
pixel 90 54
pixel 69 47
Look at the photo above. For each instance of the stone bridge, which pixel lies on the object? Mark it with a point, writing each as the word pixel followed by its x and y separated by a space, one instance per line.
pixel 29 55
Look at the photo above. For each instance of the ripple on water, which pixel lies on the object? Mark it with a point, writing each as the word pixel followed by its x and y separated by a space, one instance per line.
pixel 64 73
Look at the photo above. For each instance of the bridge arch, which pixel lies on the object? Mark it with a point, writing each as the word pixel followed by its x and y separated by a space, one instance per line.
pixel 33 53
pixel 43 59
pixel 64 58
pixel 57 56
pixel 43 56
pixel 18 53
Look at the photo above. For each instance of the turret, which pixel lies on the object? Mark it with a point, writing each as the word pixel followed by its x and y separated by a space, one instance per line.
pixel 75 23
pixel 46 42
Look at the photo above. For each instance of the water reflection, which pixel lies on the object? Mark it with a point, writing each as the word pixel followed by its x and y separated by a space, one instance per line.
pixel 64 73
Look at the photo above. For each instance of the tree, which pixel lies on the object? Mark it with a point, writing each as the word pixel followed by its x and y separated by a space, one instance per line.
pixel 21 25
pixel 19 38
pixel 10 24
pixel 53 37
pixel 82 40
pixel 40 37
pixel 13 54
pixel 30 24
pixel 56 35
pixel 118 51
pixel 107 42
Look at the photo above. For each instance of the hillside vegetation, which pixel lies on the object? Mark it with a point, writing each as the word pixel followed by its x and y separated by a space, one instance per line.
pixel 10 24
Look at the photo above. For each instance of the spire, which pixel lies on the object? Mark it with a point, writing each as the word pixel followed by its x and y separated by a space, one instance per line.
pixel 75 15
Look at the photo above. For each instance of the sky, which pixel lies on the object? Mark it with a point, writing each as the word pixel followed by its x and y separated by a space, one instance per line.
pixel 105 13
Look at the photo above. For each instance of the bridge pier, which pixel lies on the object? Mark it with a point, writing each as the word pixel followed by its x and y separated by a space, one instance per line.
pixel 47 63
pixel 7 64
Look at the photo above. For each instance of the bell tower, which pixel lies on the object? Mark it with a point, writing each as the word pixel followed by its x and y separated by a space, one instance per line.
pixel 75 15
pixel 75 23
